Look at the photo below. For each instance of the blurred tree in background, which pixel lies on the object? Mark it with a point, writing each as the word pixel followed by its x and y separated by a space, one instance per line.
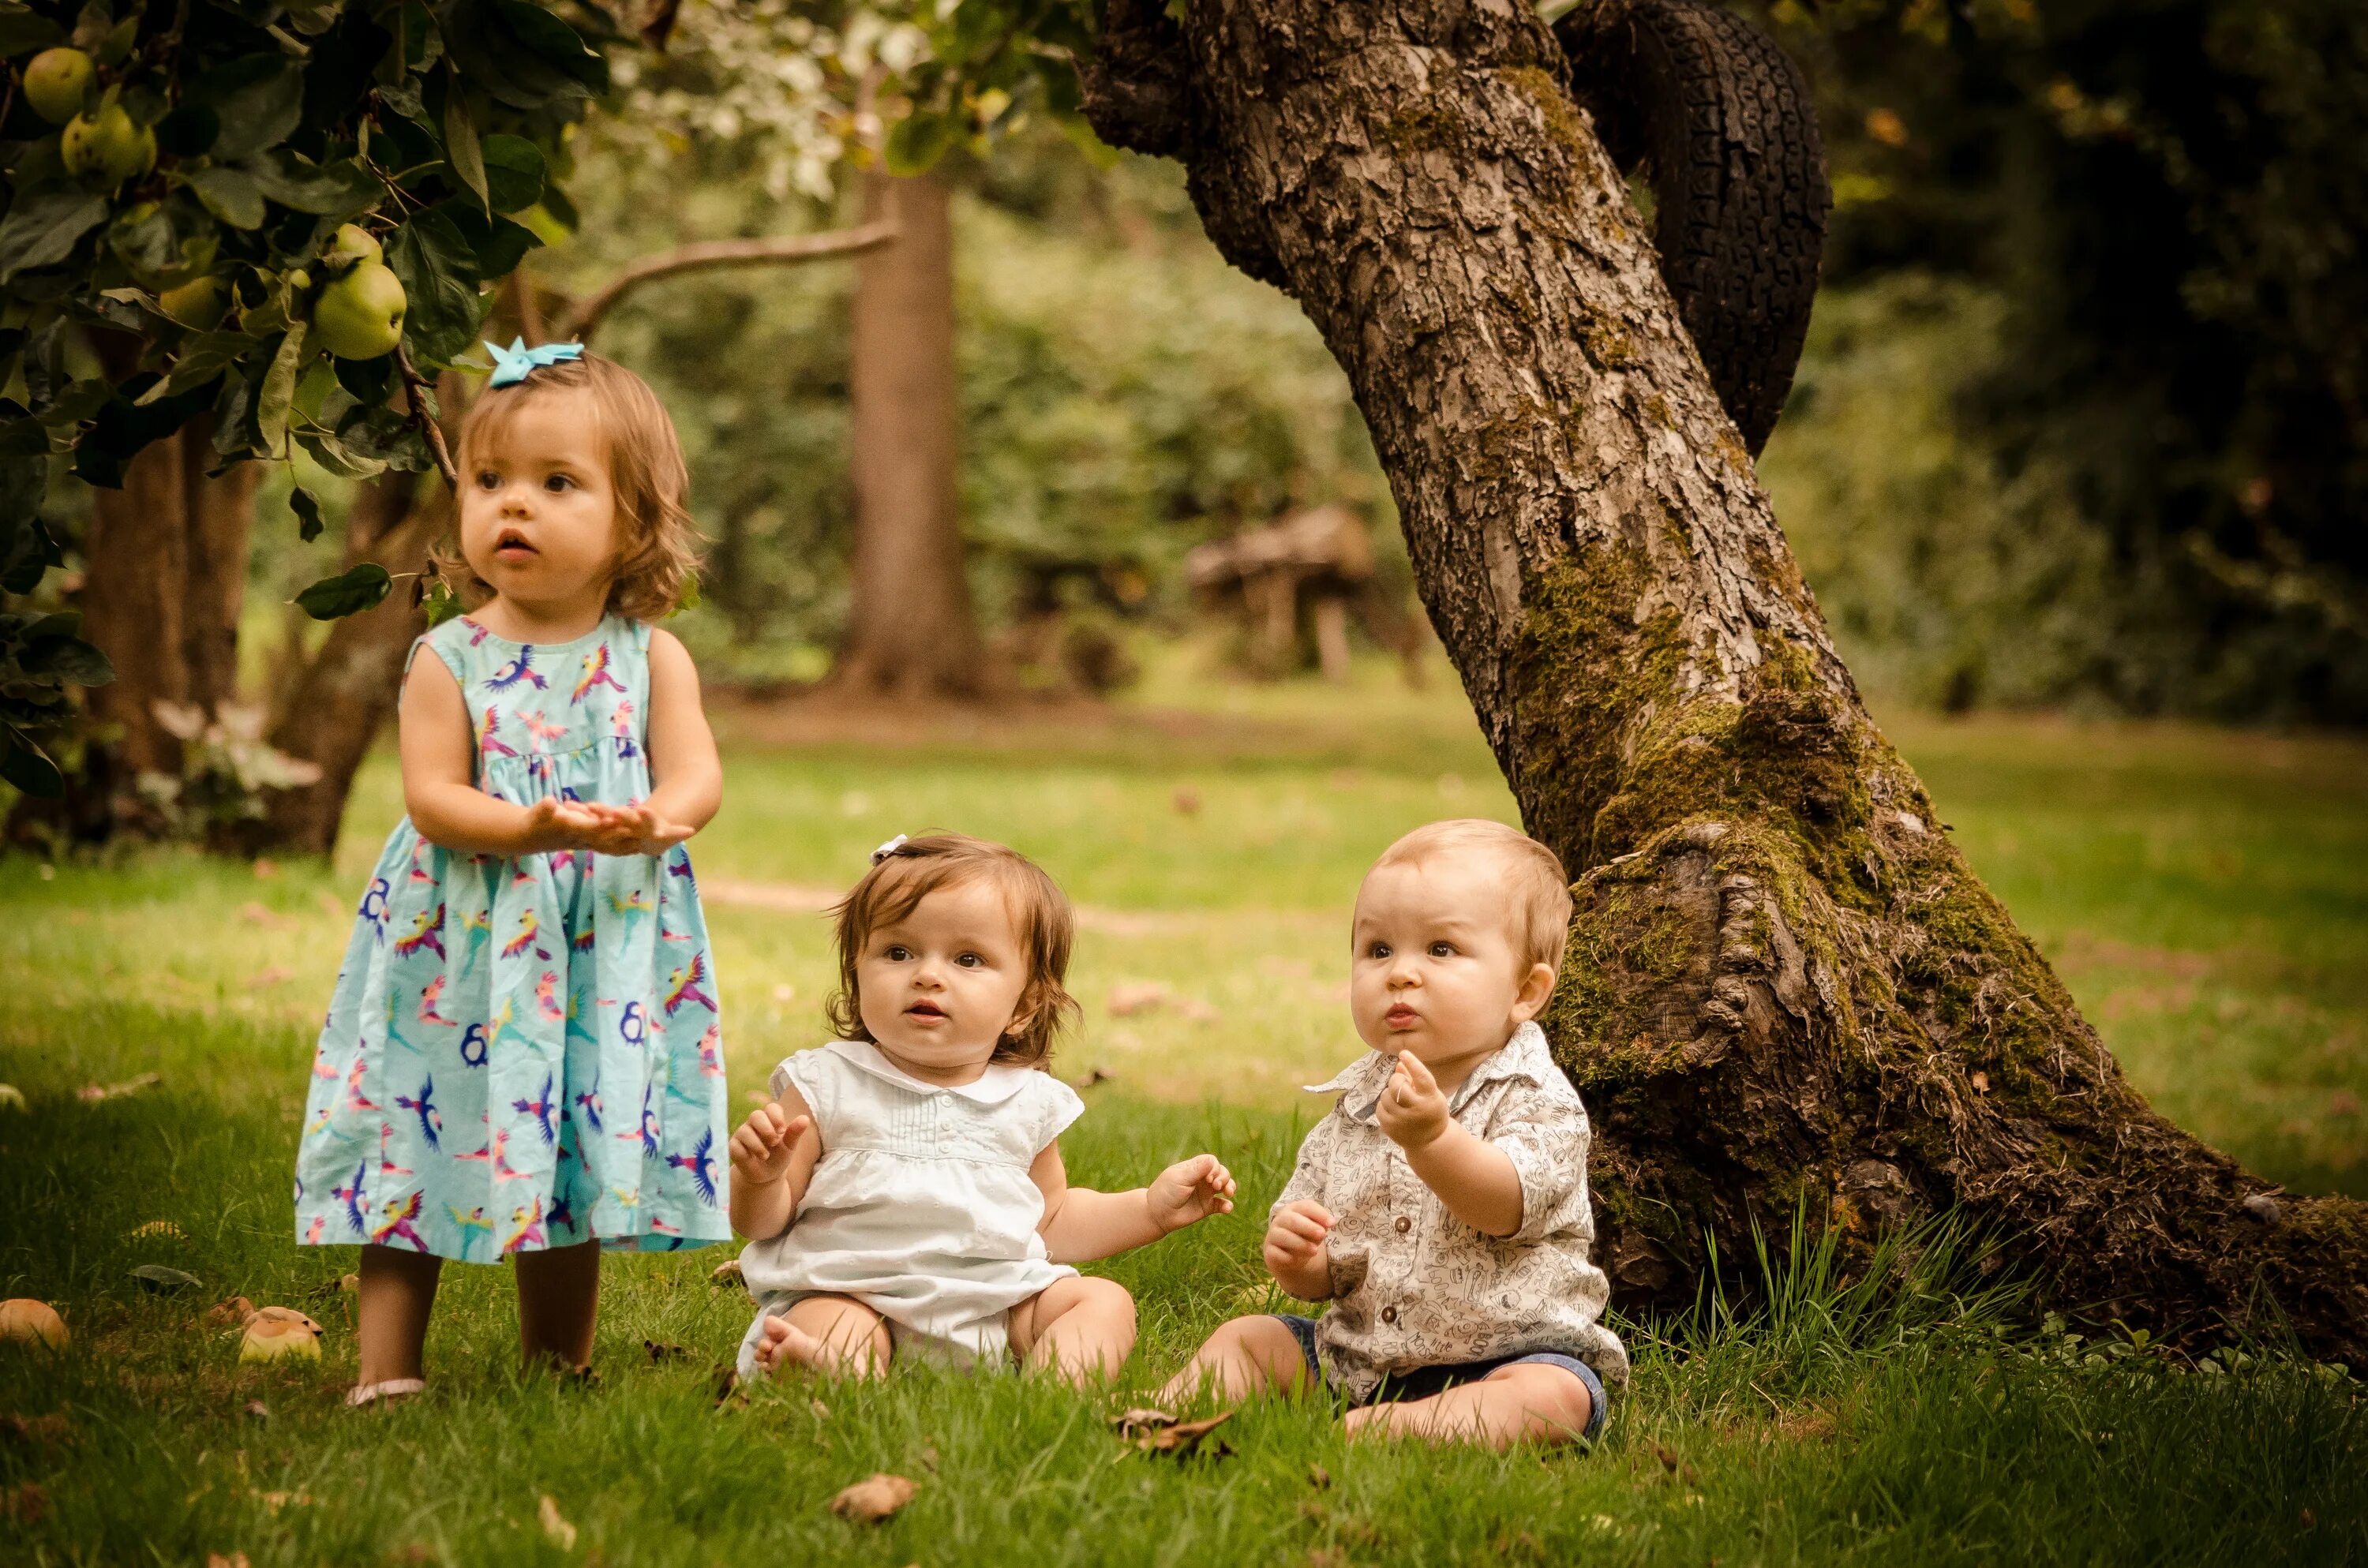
pixel 2142 338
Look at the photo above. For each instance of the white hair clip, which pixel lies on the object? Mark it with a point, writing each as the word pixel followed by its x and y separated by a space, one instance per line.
pixel 887 849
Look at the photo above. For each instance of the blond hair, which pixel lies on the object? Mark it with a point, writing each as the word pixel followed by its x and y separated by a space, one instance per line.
pixel 911 870
pixel 1537 893
pixel 657 558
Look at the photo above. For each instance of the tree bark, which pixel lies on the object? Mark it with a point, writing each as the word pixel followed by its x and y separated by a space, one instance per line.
pixel 162 593
pixel 333 709
pixel 1786 989
pixel 910 631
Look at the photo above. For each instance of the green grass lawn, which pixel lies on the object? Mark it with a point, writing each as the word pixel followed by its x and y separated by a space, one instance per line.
pixel 2205 894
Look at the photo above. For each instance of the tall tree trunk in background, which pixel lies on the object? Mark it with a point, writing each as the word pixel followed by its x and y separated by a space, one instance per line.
pixel 1785 985
pixel 910 630
pixel 333 710
pixel 161 594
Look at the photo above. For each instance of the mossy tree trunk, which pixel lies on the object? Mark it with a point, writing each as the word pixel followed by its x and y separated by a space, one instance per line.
pixel 1785 986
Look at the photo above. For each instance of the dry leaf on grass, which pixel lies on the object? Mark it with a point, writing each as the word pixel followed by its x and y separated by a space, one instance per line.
pixel 1318 1477
pixel 555 1528
pixel 164 1281
pixel 1676 1466
pixel 27 1503
pixel 263 915
pixel 664 1350
pixel 12 1097
pixel 726 1273
pixel 216 1559
pixel 821 1411
pixel 259 1410
pixel 91 1093
pixel 265 868
pixel 727 1385
pixel 1188 1438
pixel 1138 996
pixel 37 1431
pixel 1133 1424
pixel 230 1313
pixel 156 1229
pixel 868 1502
pixel 274 1501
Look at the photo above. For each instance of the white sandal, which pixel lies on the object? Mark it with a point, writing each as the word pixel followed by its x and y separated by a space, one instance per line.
pixel 393 1388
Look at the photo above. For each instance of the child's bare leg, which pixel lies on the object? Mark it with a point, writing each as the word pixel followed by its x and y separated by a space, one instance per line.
pixel 1511 1404
pixel 559 1300
pixel 397 1290
pixel 1245 1358
pixel 1082 1328
pixel 835 1335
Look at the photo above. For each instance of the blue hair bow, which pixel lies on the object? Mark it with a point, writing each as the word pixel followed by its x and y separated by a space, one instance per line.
pixel 511 364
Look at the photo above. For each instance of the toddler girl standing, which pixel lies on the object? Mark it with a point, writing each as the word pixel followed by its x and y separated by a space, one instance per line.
pixel 522 1059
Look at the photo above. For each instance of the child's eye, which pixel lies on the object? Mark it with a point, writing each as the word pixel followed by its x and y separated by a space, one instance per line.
pixel 488 480
pixel 1442 950
pixel 896 953
pixel 970 961
pixel 1378 950
pixel 557 482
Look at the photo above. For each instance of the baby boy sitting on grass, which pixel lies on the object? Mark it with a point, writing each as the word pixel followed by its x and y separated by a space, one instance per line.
pixel 1441 1205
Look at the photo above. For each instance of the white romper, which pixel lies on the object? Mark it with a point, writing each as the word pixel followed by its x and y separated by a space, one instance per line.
pixel 921 1207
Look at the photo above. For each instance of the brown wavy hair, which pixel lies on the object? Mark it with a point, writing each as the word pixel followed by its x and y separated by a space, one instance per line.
pixel 905 875
pixel 659 559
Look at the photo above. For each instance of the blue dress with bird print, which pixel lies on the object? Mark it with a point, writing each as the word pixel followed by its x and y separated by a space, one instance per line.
pixel 525 1053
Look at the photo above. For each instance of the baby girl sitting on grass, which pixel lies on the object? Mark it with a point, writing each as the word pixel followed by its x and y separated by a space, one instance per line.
pixel 1441 1205
pixel 903 1192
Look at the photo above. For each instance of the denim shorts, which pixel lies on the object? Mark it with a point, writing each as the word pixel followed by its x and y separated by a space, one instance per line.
pixel 1425 1381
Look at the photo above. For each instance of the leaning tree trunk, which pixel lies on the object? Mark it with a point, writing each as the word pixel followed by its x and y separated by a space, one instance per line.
pixel 332 711
pixel 1785 985
pixel 909 628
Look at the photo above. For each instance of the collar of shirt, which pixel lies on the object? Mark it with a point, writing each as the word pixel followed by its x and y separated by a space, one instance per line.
pixel 997 1084
pixel 1359 1084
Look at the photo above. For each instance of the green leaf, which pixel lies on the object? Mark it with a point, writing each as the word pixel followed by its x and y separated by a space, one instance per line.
pixel 441 602
pixel 203 357
pixel 460 149
pixel 340 189
pixel 519 53
pixel 27 551
pixel 334 455
pixel 348 593
pixel 27 767
pixel 307 507
pixel 53 648
pixel 498 244
pixel 920 139
pixel 231 195
pixel 22 31
pixel 44 226
pixel 279 393
pixel 438 269
pixel 515 173
pixel 260 99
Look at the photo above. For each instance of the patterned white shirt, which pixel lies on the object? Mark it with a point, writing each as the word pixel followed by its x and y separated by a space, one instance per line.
pixel 1413 1286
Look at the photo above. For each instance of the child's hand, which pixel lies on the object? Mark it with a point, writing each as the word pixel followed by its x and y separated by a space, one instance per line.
pixel 1296 1240
pixel 1412 1109
pixel 761 1149
pixel 634 830
pixel 553 824
pixel 1189 1191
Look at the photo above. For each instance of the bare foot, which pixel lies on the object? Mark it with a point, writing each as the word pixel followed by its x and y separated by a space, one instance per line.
pixel 784 1344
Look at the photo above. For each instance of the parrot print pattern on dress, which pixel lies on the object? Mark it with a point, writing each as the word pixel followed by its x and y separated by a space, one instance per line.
pixel 528 996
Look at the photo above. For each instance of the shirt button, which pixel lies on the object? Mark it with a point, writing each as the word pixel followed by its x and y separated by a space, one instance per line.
pixel 1389 1315
pixel 1404 1224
